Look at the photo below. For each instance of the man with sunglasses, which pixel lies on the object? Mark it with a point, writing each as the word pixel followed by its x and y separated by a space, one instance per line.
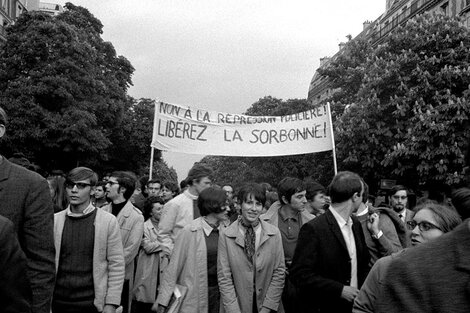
pixel 26 201
pixel 119 188
pixel 89 253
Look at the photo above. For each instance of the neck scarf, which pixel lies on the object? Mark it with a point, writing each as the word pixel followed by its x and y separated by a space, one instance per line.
pixel 250 239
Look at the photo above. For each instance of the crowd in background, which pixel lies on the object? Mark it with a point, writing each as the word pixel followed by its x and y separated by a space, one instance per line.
pixel 76 242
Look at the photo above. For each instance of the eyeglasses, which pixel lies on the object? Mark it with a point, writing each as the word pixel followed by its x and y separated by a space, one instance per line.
pixel 400 197
pixel 70 184
pixel 112 182
pixel 423 226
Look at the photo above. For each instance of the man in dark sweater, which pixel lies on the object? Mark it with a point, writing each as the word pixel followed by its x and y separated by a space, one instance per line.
pixel 119 188
pixel 89 253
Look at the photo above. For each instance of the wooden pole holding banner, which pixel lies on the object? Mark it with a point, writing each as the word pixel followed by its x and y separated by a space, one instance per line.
pixel 151 162
pixel 152 152
pixel 332 137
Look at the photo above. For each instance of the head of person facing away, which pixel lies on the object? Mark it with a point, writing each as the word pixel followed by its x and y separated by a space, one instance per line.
pixel 199 178
pixel 346 190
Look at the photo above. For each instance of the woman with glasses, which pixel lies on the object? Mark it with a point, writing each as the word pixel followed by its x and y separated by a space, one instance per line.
pixel 430 221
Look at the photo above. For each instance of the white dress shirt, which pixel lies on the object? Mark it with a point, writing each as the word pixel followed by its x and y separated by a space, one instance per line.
pixel 346 230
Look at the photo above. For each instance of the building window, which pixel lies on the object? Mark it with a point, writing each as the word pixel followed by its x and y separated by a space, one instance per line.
pixel 414 7
pixel 444 9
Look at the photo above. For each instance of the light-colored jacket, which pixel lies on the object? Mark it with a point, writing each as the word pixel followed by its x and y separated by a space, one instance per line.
pixel 131 223
pixel 176 214
pixel 272 215
pixel 188 267
pixel 146 274
pixel 235 273
pixel 108 259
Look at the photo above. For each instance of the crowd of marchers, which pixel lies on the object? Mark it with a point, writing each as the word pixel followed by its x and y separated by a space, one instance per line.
pixel 75 242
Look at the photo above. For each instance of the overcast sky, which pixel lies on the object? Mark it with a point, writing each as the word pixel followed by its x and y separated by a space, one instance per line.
pixel 224 55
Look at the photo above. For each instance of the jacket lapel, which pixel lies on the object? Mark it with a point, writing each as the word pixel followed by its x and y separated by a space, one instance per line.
pixel 266 232
pixel 334 227
pixel 5 168
pixel 233 232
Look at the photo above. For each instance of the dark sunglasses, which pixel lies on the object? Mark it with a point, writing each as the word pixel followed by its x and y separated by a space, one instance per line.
pixel 70 184
pixel 423 226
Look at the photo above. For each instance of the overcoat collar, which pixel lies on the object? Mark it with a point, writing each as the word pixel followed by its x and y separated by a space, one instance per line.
pixel 233 231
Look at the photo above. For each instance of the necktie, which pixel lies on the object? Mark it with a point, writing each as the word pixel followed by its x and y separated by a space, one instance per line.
pixel 196 212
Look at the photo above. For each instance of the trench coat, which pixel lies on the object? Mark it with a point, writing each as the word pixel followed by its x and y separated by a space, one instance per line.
pixel 147 269
pixel 187 267
pixel 236 273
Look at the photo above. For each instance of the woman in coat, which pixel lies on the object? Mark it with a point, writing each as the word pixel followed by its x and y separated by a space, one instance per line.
pixel 146 277
pixel 251 267
pixel 429 222
pixel 193 263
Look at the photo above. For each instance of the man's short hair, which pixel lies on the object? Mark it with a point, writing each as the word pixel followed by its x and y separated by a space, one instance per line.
pixel 397 188
pixel 365 193
pixel 154 181
pixel 343 186
pixel 313 188
pixel 101 183
pixel 82 173
pixel 184 184
pixel 3 117
pixel 461 202
pixel 288 187
pixel 255 190
pixel 197 172
pixel 171 186
pixel 126 180
pixel 211 200
pixel 143 180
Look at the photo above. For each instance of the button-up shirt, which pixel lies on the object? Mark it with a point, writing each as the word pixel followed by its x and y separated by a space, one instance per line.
pixel 346 230
pixel 289 226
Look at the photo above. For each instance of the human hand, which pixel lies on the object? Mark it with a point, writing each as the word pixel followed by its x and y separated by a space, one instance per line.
pixel 158 308
pixel 373 223
pixel 109 308
pixel 349 293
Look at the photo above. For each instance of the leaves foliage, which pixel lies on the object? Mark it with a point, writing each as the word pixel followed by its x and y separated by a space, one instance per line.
pixel 409 117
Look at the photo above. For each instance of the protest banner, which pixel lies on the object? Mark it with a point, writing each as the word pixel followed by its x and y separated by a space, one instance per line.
pixel 197 131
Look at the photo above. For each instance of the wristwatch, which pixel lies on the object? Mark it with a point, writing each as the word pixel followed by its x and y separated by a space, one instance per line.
pixel 378 235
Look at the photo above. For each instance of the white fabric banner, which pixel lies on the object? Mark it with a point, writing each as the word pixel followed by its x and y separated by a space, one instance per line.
pixel 196 131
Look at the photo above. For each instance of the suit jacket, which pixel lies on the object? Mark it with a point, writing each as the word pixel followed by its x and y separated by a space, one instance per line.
pixel 108 259
pixel 15 293
pixel 26 201
pixel 407 236
pixel 322 267
pixel 433 277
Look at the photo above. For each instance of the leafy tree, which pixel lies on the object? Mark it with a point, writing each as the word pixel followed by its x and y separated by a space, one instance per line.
pixel 63 87
pixel 410 115
pixel 238 170
pixel 131 137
